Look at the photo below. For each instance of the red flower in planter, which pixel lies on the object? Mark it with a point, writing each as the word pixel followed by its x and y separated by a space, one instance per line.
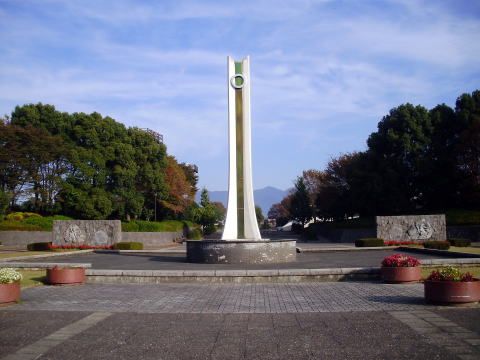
pixel 400 260
pixel 450 273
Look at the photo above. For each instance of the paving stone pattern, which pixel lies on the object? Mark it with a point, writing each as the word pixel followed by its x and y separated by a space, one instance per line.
pixel 34 350
pixel 225 298
pixel 347 335
pixel 442 332
pixel 34 325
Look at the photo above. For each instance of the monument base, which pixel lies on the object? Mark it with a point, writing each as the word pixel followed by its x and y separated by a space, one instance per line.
pixel 241 251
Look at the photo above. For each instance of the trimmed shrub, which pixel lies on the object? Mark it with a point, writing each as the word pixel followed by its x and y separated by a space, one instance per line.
pixel 437 245
pixel 19 216
pixel 39 246
pixel 132 245
pixel 194 234
pixel 369 242
pixel 459 242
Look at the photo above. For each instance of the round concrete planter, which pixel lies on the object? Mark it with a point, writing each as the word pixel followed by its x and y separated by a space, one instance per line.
pixel 452 292
pixel 401 274
pixel 241 251
pixel 65 276
pixel 9 293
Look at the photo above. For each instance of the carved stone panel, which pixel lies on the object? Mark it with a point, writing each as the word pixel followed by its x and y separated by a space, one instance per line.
pixel 412 227
pixel 86 232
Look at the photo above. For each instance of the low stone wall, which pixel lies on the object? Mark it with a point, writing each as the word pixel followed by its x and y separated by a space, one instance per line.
pixel 86 232
pixel 21 239
pixel 412 227
pixel 241 251
pixel 350 235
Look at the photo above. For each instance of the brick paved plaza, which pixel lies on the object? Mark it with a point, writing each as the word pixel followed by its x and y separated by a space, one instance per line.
pixel 337 320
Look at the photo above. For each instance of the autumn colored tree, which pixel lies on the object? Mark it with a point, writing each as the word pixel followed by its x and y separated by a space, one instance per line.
pixel 280 213
pixel 180 191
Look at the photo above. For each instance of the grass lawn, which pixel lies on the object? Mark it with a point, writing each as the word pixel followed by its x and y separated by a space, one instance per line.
pixel 9 254
pixel 5 254
pixel 474 270
pixel 32 277
pixel 470 250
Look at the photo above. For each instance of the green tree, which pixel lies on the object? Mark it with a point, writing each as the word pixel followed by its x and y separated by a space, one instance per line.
pixel 118 171
pixel 259 215
pixel 440 174
pixel 398 149
pixel 300 207
pixel 220 209
pixel 206 214
pixel 4 201
pixel 467 152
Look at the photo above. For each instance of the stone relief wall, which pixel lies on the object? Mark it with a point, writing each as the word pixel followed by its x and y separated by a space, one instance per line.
pixel 412 227
pixel 87 232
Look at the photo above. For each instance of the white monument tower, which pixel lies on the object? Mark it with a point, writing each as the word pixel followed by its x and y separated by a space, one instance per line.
pixel 241 242
pixel 241 221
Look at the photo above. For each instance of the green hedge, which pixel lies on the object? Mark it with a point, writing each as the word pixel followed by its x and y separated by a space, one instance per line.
pixel 132 245
pixel 39 246
pixel 153 226
pixel 29 222
pixel 45 223
pixel 20 216
pixel 131 226
pixel 8 225
pixel 369 242
pixel 459 242
pixel 437 245
pixel 194 234
pixel 463 217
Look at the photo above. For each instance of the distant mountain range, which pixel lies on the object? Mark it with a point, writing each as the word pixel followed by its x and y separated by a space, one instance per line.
pixel 264 198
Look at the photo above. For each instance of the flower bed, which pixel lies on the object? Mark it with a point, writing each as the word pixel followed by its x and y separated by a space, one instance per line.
pixel 9 285
pixel 399 242
pixel 399 268
pixel 48 246
pixel 81 247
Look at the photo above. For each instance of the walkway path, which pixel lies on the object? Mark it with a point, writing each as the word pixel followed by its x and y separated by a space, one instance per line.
pixel 236 321
pixel 225 298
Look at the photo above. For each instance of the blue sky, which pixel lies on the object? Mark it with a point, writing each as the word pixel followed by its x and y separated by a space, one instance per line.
pixel 323 72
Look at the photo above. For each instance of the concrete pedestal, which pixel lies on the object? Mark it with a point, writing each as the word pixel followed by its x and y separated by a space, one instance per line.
pixel 241 251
